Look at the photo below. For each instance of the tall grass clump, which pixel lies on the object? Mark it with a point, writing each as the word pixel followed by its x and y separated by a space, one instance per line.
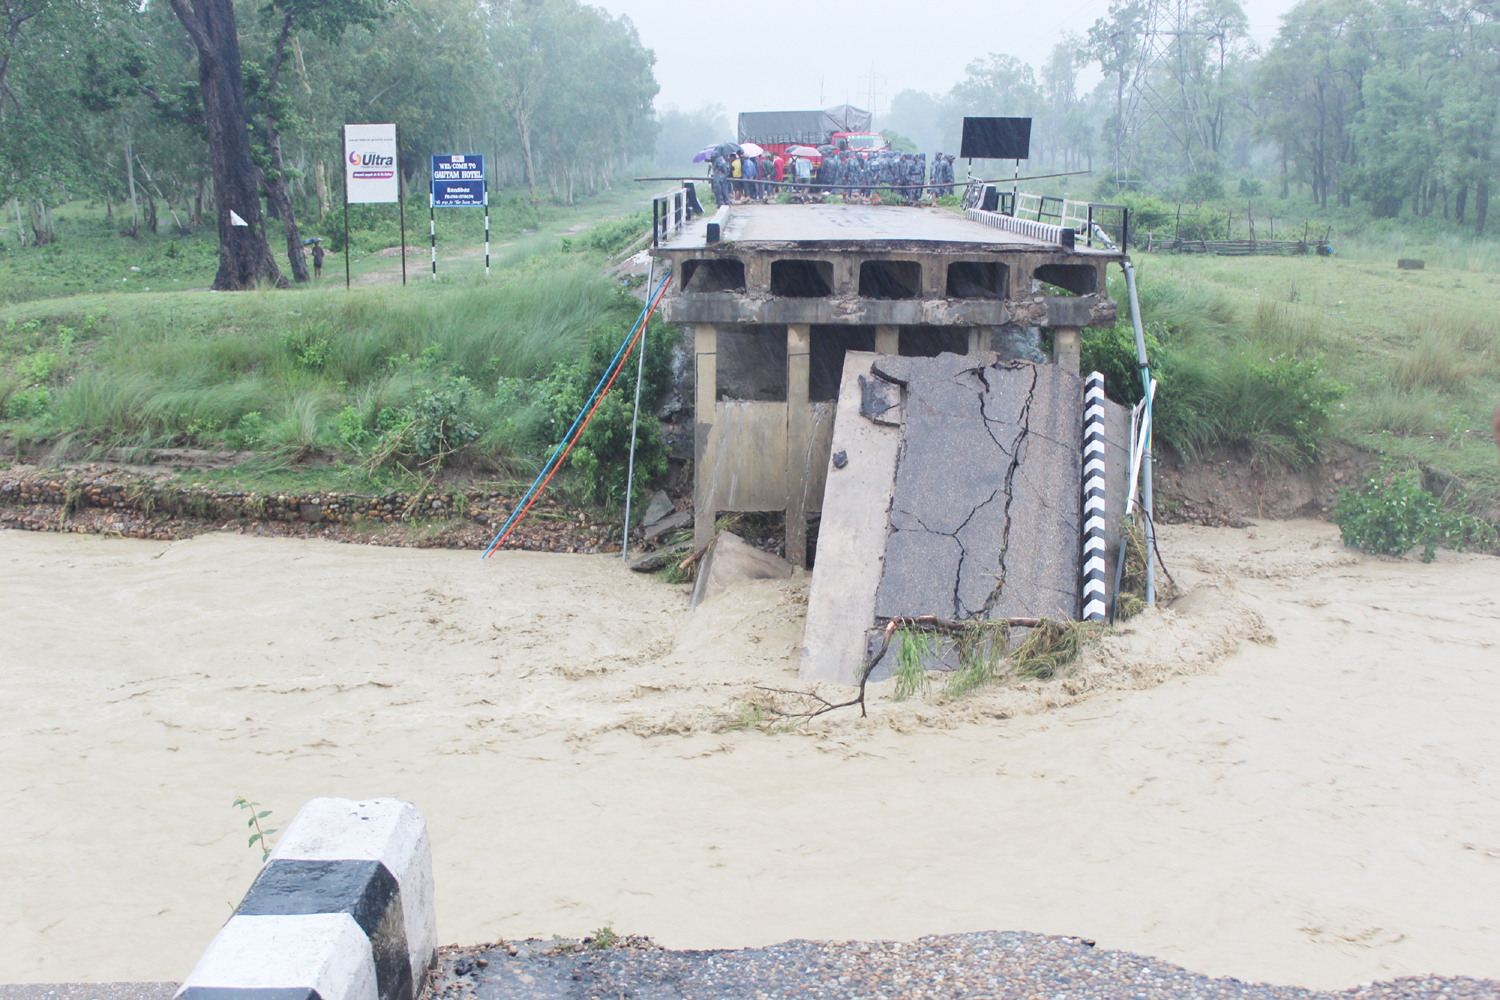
pixel 1402 412
pixel 324 368
pixel 1221 382
pixel 1441 359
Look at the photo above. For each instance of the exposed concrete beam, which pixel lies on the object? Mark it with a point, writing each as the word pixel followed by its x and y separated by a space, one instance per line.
pixel 705 375
pixel 798 441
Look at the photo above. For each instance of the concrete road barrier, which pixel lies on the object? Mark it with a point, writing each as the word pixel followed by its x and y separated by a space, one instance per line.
pixel 342 910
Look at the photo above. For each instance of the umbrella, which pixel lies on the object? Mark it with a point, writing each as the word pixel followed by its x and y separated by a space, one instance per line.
pixel 728 148
pixel 803 151
pixel 707 154
pixel 751 149
pixel 315 239
pixel 828 149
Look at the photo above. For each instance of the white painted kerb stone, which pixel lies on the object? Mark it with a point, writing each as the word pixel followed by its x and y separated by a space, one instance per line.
pixel 324 951
pixel 386 830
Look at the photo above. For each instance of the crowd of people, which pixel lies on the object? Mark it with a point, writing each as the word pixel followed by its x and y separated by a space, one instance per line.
pixel 856 175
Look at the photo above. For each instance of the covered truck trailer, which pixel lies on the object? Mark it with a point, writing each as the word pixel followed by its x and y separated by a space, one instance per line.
pixel 844 126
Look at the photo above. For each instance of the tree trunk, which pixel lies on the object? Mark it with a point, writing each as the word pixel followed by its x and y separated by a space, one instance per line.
pixel 1460 202
pixel 325 201
pixel 135 211
pixel 38 212
pixel 196 219
pixel 1481 206
pixel 523 123
pixel 244 255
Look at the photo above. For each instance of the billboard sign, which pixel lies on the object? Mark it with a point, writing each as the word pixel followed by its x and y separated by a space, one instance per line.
pixel 370 164
pixel 996 139
pixel 458 181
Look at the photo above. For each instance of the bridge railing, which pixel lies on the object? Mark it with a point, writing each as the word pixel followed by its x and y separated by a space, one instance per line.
pixel 1049 217
pixel 671 210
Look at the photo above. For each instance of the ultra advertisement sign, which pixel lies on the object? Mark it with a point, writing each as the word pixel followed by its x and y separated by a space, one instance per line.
pixel 458 181
pixel 370 164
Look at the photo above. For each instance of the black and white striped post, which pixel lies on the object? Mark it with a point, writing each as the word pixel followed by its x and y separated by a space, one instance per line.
pixel 1095 603
pixel 342 910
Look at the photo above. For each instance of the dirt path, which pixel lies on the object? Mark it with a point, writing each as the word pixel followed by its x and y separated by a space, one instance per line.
pixel 1321 811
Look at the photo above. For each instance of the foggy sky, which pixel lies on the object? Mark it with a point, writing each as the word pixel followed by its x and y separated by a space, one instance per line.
pixel 809 54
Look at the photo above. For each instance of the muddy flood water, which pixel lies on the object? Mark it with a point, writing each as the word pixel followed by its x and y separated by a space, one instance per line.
pixel 1293 775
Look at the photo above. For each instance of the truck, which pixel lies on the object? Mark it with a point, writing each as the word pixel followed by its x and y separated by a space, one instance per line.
pixel 845 127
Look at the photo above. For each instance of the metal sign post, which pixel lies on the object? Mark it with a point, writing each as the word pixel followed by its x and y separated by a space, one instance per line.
pixel 458 181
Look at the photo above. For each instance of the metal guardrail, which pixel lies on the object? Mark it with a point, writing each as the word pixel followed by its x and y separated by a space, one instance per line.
pixel 671 210
pixel 1048 217
pixel 1044 231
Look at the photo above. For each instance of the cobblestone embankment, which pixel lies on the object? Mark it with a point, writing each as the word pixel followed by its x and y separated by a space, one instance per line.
pixel 132 505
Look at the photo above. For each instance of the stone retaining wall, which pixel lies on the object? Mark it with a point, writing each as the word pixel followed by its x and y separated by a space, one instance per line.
pixel 139 506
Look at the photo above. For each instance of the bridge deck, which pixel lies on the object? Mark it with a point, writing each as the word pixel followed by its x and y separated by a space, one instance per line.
pixel 868 225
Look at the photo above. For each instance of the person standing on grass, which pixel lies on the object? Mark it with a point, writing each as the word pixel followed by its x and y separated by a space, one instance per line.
pixel 318 259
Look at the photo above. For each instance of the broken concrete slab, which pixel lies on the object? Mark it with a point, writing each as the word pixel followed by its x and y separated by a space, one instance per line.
pixel 973 513
pixel 667 525
pixel 984 506
pixel 650 562
pixel 659 507
pixel 731 559
pixel 852 534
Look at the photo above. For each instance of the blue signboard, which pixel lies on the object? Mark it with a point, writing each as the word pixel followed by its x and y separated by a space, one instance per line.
pixel 458 181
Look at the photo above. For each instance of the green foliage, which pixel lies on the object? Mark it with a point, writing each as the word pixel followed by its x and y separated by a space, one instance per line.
pixel 1217 382
pixel 1391 514
pixel 1203 186
pixel 913 651
pixel 1250 188
pixel 1288 398
pixel 899 142
pixel 600 458
pixel 981 651
pixel 260 836
pixel 442 419
pixel 604 938
pixel 610 237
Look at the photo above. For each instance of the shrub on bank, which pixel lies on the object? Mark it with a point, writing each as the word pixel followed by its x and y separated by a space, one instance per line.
pixel 1391 514
pixel 1219 383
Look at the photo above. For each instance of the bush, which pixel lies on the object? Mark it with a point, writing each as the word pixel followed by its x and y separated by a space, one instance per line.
pixel 610 237
pixel 601 457
pixel 1392 514
pixel 1204 186
pixel 442 420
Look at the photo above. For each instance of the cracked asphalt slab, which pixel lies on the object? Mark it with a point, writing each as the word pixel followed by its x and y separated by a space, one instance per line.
pixel 986 965
pixel 986 490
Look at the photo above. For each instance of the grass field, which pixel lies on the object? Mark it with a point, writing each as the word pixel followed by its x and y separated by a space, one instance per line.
pixel 92 257
pixel 1417 352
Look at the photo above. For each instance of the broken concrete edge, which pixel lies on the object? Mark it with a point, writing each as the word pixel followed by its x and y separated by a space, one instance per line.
pixel 342 910
pixel 729 560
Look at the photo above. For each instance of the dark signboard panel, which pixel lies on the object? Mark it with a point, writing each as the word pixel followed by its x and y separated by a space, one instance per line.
pixel 996 139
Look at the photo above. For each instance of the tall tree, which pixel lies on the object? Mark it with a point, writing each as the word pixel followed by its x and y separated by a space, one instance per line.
pixel 328 19
pixel 245 258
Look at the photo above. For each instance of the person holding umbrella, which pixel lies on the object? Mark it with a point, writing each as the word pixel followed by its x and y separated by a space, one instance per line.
pixel 317 255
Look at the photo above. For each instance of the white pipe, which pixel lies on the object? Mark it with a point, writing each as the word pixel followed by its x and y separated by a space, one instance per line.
pixel 640 374
pixel 1147 499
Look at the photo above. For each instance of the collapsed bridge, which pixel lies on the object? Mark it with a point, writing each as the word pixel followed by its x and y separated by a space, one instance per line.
pixel 911 375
